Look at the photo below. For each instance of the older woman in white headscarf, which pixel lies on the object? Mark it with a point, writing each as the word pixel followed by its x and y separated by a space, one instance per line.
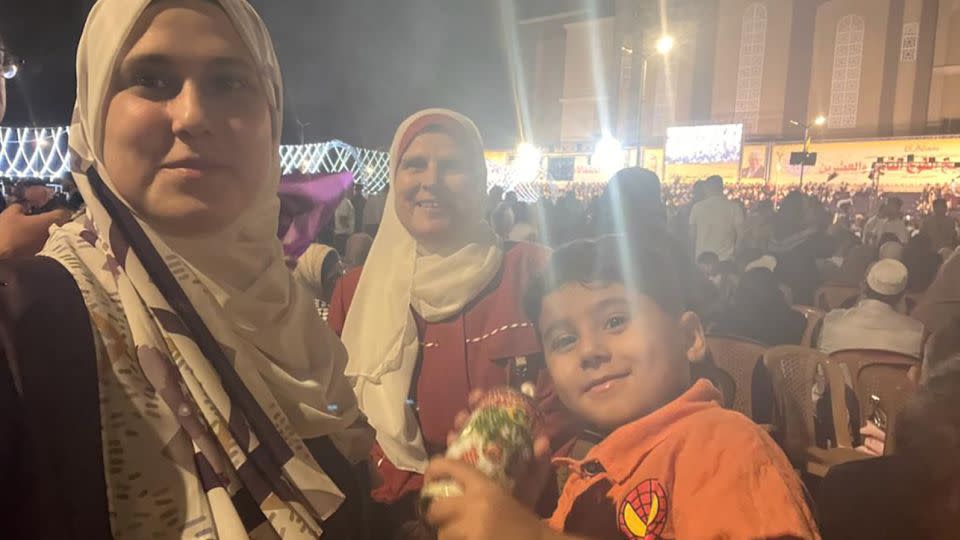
pixel 223 410
pixel 436 310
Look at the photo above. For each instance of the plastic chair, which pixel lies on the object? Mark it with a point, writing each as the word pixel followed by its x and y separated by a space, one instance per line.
pixel 793 372
pixel 911 301
pixel 813 316
pixel 737 357
pixel 882 374
pixel 832 296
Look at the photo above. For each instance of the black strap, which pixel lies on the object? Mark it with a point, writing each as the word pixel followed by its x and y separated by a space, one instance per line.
pixel 169 287
pixel 51 453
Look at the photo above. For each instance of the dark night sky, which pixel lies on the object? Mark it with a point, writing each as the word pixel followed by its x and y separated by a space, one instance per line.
pixel 353 69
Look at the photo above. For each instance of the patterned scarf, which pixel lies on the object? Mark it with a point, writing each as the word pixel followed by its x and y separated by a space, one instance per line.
pixel 208 391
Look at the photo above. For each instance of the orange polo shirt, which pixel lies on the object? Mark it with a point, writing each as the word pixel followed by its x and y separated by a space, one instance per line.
pixel 689 470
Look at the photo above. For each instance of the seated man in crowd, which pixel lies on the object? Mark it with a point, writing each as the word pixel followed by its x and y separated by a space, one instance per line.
pixel 889 220
pixel 619 340
pixel 941 354
pixel 914 493
pixel 874 323
pixel 891 249
pixel 722 274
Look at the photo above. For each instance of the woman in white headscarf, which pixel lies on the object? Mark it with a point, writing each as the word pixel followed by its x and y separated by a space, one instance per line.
pixel 218 393
pixel 436 310
pixel 318 269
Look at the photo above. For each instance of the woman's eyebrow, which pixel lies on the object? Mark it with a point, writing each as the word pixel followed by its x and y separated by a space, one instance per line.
pixel 159 59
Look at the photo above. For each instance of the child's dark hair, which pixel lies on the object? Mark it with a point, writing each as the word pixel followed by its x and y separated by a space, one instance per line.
pixel 649 262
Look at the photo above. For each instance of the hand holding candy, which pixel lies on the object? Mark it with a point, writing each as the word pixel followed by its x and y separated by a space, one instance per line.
pixel 499 438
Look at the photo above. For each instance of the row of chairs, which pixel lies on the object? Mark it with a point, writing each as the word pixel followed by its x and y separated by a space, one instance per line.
pixel 792 371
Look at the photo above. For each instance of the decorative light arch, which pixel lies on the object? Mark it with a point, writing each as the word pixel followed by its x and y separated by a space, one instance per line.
pixel 847 64
pixel 753 40
pixel 43 153
pixel 34 152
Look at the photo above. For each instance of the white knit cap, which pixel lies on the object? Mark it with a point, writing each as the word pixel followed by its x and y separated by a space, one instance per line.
pixel 891 250
pixel 887 277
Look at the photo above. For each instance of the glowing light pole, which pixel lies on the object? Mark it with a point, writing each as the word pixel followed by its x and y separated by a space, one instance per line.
pixel 818 122
pixel 663 47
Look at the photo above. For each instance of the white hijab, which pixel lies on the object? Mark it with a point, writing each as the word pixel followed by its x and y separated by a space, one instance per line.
pixel 380 331
pixel 286 359
pixel 309 269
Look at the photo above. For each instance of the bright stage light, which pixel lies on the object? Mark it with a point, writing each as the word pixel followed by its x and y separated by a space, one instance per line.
pixel 528 152
pixel 820 120
pixel 665 44
pixel 526 162
pixel 608 155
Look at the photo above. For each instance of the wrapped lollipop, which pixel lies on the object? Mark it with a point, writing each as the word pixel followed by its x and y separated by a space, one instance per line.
pixel 497 440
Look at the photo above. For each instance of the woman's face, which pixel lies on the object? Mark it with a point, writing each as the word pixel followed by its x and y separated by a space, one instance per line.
pixel 437 196
pixel 188 133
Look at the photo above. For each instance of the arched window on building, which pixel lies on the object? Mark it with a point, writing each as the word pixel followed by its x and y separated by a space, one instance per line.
pixel 908 43
pixel 847 63
pixel 753 38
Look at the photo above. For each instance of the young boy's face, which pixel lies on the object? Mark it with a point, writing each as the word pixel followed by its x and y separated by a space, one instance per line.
pixel 616 356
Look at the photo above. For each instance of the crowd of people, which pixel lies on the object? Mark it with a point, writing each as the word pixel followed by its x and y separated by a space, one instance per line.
pixel 193 389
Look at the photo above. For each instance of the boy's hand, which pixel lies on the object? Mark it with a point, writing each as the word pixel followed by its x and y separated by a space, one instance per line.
pixel 483 512
pixel 529 486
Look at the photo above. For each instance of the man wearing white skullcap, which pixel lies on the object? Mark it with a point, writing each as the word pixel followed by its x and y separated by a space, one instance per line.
pixel 874 323
pixel 891 250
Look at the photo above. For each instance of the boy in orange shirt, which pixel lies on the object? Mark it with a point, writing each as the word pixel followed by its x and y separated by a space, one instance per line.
pixel 619 341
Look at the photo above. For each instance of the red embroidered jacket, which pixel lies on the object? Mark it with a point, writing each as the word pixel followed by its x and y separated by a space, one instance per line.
pixel 471 350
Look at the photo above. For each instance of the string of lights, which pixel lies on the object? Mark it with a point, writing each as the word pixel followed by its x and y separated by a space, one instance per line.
pixel 44 153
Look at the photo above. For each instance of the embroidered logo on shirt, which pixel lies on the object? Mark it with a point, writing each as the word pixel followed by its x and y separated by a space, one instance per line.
pixel 643 514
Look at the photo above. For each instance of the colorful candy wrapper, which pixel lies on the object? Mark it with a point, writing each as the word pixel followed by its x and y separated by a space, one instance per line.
pixel 497 440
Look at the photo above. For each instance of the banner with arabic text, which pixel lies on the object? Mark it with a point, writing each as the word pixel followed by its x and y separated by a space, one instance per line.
pixel 906 165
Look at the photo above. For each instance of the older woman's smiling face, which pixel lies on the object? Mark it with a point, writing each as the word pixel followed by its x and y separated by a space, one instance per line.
pixel 437 195
pixel 188 133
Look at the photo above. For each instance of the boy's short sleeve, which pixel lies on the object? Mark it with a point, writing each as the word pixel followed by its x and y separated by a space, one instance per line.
pixel 745 489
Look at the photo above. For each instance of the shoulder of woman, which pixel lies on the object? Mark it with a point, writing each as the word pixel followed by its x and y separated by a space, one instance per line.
pixel 33 282
pixel 350 280
pixel 525 256
pixel 39 299
pixel 38 295
pixel 343 293
pixel 49 350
